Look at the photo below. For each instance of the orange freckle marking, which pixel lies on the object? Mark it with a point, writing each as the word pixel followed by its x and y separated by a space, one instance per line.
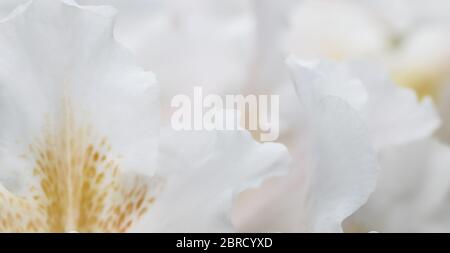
pixel 121 218
pixel 100 178
pixel 117 210
pixel 96 156
pixel 91 172
pixel 144 210
pixel 85 186
pixel 129 208
pixel 98 209
pixel 139 203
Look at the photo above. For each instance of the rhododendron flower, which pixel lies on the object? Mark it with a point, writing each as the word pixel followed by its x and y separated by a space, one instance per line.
pixel 333 171
pixel 401 128
pixel 79 136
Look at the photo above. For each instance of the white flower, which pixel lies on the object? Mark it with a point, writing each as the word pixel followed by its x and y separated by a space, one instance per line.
pixel 393 114
pixel 404 36
pixel 422 59
pixel 414 49
pixel 333 173
pixel 420 56
pixel 70 126
pixel 79 136
pixel 413 166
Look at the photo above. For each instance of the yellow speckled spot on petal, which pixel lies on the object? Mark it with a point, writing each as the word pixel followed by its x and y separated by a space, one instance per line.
pixel 79 186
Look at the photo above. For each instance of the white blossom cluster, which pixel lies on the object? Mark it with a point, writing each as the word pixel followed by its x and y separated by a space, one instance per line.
pixel 86 142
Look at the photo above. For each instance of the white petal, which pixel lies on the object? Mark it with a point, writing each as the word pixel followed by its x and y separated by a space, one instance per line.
pixel 52 52
pixel 412 193
pixel 317 79
pixel 205 170
pixel 393 114
pixel 347 169
pixel 79 120
pixel 334 171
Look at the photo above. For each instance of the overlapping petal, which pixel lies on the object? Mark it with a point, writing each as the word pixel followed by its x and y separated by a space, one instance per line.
pixel 333 172
pixel 205 170
pixel 394 115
